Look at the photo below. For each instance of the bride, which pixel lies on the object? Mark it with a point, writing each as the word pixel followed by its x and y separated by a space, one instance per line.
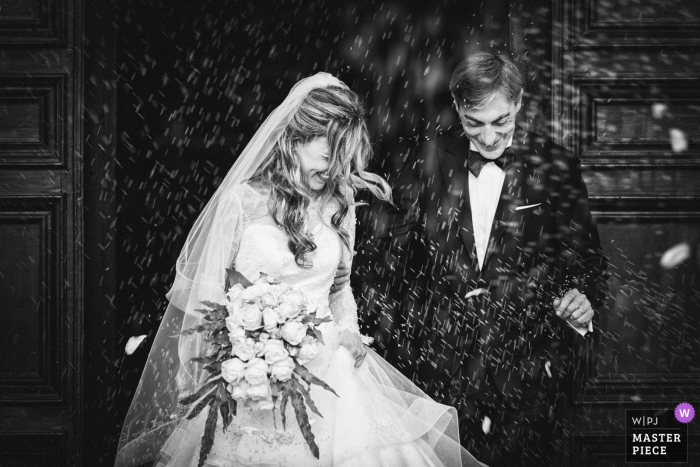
pixel 287 209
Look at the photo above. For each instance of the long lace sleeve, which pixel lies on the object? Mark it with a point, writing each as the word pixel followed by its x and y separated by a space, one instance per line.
pixel 342 303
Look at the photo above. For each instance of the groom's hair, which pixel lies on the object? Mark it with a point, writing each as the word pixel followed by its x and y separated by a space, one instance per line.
pixel 479 77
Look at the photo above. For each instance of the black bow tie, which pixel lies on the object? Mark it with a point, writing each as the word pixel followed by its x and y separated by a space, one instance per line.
pixel 477 162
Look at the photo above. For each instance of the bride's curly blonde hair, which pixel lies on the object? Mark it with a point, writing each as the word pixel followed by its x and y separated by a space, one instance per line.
pixel 337 114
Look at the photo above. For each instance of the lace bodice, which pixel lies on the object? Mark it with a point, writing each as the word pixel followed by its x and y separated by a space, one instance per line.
pixel 258 245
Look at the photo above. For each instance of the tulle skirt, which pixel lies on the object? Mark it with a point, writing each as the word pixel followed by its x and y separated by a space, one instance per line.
pixel 379 418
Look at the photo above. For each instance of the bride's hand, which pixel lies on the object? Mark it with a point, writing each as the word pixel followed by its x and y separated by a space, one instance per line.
pixel 351 341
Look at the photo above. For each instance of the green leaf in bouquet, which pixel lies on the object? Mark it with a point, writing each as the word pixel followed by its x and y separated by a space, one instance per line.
pixel 307 397
pixel 225 415
pixel 283 404
pixel 200 393
pixel 310 379
pixel 214 307
pixel 224 352
pixel 213 367
pixel 209 326
pixel 303 421
pixel 216 316
pixel 221 391
pixel 318 335
pixel 234 277
pixel 200 406
pixel 224 404
pixel 232 406
pixel 209 432
pixel 204 360
pixel 274 409
pixel 220 339
pixel 308 318
pixel 319 321
pixel 188 332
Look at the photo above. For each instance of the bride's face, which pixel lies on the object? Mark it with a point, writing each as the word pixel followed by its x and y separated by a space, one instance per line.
pixel 314 159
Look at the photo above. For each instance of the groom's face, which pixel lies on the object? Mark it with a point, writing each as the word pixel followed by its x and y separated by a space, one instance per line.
pixel 491 126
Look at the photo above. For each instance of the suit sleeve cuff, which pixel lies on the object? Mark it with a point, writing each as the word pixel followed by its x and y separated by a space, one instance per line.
pixel 582 330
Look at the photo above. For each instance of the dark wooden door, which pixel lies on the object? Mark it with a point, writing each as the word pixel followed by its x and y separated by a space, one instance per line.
pixel 618 82
pixel 41 250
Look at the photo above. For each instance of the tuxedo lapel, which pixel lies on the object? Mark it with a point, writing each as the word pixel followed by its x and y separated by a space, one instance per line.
pixel 453 151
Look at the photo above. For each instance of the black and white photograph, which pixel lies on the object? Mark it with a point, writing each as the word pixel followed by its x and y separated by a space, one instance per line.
pixel 362 233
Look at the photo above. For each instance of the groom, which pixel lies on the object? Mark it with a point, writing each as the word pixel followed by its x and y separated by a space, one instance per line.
pixel 489 252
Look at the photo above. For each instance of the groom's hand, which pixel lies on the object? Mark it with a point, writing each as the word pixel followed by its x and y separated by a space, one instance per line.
pixel 575 307
pixel 342 276
pixel 352 341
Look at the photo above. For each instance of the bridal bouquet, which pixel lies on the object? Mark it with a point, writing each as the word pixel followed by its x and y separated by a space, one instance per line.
pixel 260 337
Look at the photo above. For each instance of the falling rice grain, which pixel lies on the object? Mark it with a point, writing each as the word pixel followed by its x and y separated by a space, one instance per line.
pixel 133 344
pixel 675 256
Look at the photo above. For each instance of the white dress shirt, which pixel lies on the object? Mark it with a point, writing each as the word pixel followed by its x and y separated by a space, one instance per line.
pixel 484 195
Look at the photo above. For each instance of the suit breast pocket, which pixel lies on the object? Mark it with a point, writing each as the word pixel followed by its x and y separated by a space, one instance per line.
pixel 531 222
pixel 532 210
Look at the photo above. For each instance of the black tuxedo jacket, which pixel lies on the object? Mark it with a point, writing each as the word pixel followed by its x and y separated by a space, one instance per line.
pixel 419 259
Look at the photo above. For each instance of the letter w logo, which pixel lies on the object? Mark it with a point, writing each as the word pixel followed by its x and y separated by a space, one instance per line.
pixel 685 413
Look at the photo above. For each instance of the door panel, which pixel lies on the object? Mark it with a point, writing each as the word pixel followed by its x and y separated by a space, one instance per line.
pixel 40 233
pixel 30 357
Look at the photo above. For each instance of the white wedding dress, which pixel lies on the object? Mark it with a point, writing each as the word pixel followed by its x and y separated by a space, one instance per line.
pixel 379 419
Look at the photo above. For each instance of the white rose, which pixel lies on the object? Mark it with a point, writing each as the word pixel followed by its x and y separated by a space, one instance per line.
pixel 293 332
pixel 234 293
pixel 308 351
pixel 233 306
pixel 263 337
pixel 274 333
pixel 259 347
pixel 256 373
pixel 243 350
pixel 268 300
pixel 270 319
pixel 239 391
pixel 260 391
pixel 283 369
pixel 277 290
pixel 254 292
pixel 233 370
pixel 308 338
pixel 274 351
pixel 296 301
pixel 287 311
pixel 235 332
pixel 249 316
